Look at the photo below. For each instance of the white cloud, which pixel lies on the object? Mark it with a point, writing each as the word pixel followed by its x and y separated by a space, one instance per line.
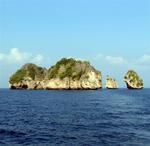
pixel 114 60
pixel 38 59
pixel 98 57
pixel 76 58
pixel 119 60
pixel 144 60
pixel 16 56
pixel 1 56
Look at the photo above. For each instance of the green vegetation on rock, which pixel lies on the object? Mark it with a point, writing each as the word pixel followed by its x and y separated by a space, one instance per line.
pixel 70 68
pixel 28 70
pixel 18 76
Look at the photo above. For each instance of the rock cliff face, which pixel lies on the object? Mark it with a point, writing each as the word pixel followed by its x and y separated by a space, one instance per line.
pixel 111 83
pixel 65 74
pixel 133 81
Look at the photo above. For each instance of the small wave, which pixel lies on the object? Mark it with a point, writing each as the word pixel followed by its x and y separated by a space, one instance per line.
pixel 11 133
pixel 69 137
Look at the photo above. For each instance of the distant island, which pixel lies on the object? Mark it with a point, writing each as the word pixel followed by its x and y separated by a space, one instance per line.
pixel 111 83
pixel 133 81
pixel 65 74
pixel 68 73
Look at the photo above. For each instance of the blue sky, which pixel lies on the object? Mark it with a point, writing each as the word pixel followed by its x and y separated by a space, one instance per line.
pixel 114 35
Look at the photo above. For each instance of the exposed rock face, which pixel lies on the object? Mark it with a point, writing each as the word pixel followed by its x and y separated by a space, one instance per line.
pixel 111 83
pixel 133 81
pixel 66 74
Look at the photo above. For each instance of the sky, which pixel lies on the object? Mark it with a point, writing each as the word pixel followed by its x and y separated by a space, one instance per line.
pixel 114 35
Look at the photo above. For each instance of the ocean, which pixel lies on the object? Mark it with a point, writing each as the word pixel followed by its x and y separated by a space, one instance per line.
pixel 75 118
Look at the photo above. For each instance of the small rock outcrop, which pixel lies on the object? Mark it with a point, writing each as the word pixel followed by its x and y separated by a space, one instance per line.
pixel 65 74
pixel 111 83
pixel 133 81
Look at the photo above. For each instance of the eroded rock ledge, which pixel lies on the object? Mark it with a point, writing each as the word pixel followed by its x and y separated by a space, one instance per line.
pixel 65 74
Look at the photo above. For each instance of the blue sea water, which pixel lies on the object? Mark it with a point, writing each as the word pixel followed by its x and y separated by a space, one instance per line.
pixel 75 118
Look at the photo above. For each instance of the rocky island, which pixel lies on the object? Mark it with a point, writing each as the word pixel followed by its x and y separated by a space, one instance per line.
pixel 111 83
pixel 133 81
pixel 65 74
